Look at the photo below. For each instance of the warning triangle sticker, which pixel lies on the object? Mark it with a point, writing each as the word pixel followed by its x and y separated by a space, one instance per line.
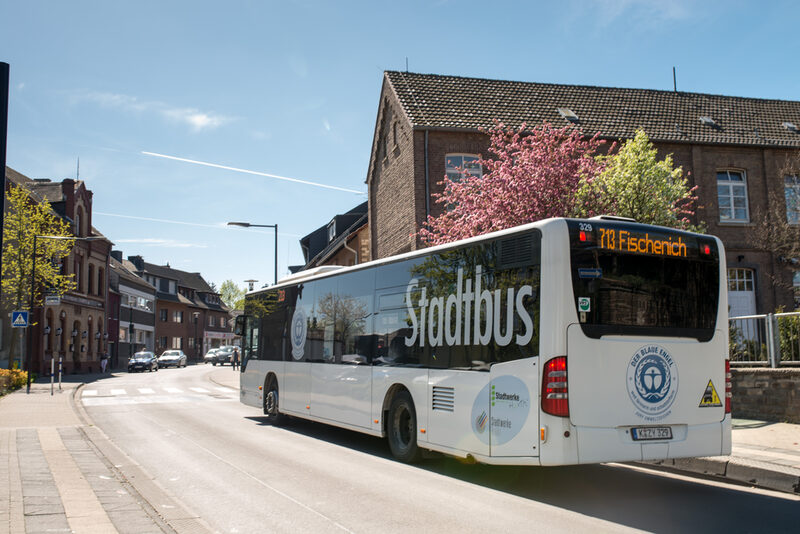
pixel 710 397
pixel 20 321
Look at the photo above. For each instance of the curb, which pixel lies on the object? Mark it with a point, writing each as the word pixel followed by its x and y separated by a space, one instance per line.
pixel 750 472
pixel 165 510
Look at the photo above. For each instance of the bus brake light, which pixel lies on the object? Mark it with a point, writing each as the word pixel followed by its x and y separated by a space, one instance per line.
pixel 583 235
pixel 555 396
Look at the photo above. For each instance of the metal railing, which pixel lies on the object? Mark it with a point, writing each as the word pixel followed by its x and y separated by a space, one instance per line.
pixel 771 340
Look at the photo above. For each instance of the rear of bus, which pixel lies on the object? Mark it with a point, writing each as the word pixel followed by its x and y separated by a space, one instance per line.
pixel 643 337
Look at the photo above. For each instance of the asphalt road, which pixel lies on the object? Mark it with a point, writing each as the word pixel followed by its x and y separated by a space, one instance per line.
pixel 240 474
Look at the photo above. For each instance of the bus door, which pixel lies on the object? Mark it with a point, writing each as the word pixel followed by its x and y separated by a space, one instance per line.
pixel 513 424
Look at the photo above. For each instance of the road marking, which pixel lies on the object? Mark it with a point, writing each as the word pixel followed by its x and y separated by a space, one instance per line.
pixel 118 392
pixel 89 393
pixel 173 390
pixel 199 390
pixel 224 390
pixel 146 391
pixel 81 506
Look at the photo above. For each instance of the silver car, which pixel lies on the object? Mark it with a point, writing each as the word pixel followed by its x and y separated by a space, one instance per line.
pixel 174 358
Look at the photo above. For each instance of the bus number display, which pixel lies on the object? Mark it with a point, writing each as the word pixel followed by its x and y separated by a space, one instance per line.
pixel 641 243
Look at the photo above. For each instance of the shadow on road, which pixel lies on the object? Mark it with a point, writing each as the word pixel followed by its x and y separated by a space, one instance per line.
pixel 651 501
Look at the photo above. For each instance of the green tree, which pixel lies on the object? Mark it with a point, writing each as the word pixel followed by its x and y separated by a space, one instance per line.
pixel 24 220
pixel 635 184
pixel 232 295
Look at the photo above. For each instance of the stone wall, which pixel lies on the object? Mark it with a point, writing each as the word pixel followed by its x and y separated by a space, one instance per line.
pixel 766 394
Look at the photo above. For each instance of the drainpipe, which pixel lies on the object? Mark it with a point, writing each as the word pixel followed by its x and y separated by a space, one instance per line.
pixel 427 181
pixel 351 250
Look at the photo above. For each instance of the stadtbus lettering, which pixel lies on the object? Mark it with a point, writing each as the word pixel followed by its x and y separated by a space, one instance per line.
pixel 443 315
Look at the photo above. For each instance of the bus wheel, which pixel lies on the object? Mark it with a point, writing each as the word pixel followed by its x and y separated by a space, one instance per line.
pixel 402 428
pixel 271 402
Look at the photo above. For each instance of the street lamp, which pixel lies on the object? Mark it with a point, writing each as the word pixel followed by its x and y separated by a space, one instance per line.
pixel 196 315
pixel 33 286
pixel 275 226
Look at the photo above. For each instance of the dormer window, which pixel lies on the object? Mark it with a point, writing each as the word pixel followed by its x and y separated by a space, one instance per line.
pixel 331 230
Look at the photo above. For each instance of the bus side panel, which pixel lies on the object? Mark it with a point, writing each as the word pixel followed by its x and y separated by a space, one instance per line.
pixel 514 416
pixel 250 380
pixel 342 392
pixel 415 380
pixel 295 391
pixel 459 409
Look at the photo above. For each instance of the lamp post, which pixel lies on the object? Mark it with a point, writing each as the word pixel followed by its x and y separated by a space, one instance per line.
pixel 33 287
pixel 275 226
pixel 195 315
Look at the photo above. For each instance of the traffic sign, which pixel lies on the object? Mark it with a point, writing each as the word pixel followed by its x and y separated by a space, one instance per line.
pixel 19 319
pixel 52 300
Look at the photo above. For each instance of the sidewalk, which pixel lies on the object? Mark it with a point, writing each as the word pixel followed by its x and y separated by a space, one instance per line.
pixel 58 473
pixel 763 454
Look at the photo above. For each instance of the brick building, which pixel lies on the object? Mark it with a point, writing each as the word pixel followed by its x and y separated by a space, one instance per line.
pixel 134 316
pixel 189 314
pixel 343 241
pixel 74 329
pixel 734 150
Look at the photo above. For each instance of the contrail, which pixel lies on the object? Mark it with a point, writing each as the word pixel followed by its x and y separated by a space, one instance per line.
pixel 225 167
pixel 219 226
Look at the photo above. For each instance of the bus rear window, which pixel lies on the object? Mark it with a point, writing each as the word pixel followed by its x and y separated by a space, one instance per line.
pixel 632 279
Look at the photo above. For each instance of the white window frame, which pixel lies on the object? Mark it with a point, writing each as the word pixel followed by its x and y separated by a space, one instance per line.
pixel 456 169
pixel 791 192
pixel 728 184
pixel 740 279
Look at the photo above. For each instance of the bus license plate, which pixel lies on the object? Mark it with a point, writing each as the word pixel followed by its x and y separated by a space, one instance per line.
pixel 651 432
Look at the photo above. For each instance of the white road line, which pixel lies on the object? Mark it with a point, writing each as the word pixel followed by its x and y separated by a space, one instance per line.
pixel 199 390
pixel 173 390
pixel 89 393
pixel 224 390
pixel 146 391
pixel 118 392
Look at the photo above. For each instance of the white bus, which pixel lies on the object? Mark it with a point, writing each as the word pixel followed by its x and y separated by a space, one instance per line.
pixel 559 342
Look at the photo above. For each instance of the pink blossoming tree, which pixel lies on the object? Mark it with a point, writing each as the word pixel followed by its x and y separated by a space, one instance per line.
pixel 530 175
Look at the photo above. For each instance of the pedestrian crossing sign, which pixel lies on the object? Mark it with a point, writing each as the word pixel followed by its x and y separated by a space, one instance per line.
pixel 710 397
pixel 19 319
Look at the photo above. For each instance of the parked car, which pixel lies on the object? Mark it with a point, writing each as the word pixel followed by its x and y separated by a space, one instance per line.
pixel 143 360
pixel 225 354
pixel 211 356
pixel 172 357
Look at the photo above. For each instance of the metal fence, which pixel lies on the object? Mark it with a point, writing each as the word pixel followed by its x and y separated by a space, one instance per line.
pixel 771 340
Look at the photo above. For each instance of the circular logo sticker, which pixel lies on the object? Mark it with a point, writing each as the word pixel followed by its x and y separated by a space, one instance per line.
pixel 502 408
pixel 297 335
pixel 652 382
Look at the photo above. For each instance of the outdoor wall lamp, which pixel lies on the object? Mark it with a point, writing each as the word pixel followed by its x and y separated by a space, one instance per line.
pixel 97 335
pixel 74 333
pixel 46 330
pixel 105 335
pixel 58 331
pixel 84 334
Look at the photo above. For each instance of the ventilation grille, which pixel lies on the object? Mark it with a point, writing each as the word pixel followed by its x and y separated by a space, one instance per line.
pixel 516 252
pixel 444 398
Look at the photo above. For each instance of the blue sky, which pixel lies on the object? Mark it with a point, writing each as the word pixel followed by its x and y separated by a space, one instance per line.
pixel 291 88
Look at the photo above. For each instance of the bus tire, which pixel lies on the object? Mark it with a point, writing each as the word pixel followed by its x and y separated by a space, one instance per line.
pixel 401 428
pixel 271 402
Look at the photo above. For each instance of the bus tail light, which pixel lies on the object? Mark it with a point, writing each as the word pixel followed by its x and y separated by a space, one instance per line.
pixel 728 386
pixel 555 397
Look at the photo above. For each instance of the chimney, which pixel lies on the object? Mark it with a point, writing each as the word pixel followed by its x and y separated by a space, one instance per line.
pixel 117 255
pixel 137 261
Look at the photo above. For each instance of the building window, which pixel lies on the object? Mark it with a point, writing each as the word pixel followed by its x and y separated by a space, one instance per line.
pixel 177 317
pixel 162 342
pixel 163 315
pixel 222 322
pixel 177 342
pixel 796 284
pixel 331 230
pixel 740 280
pixel 101 280
pixel 732 196
pixel 792 194
pixel 457 166
pixel 90 289
pixel 211 321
